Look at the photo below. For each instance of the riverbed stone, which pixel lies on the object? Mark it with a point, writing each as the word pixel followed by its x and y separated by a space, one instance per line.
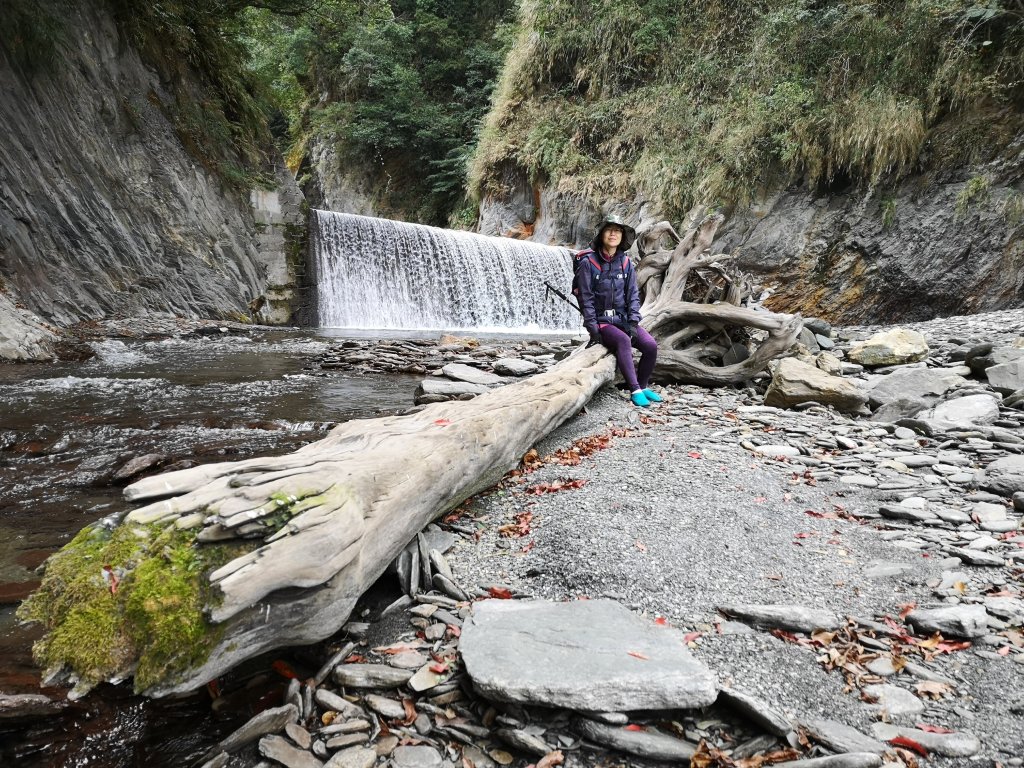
pixel 1004 476
pixel 760 712
pixel 849 760
pixel 266 722
pixel 587 655
pixel 467 373
pixel 278 749
pixel 955 744
pixel 966 621
pixel 963 412
pixel 27 705
pixel 1007 377
pixel 511 366
pixel 896 346
pixel 371 676
pixel 353 757
pixel 840 737
pixel 650 744
pixel 894 701
pixel 420 756
pixel 449 388
pixel 795 382
pixel 795 618
pixel 918 383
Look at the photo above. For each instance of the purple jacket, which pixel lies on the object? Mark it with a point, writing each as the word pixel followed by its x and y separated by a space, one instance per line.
pixel 606 285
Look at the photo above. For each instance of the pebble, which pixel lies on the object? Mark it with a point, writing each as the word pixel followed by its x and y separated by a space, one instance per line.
pixel 353 757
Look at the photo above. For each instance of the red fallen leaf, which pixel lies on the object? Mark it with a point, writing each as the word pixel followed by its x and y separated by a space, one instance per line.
pixel 442 422
pixel 932 728
pixel 410 712
pixel 689 637
pixel 454 631
pixel 499 592
pixel 284 669
pixel 111 577
pixel 694 454
pixel 354 658
pixel 1004 651
pixel 638 655
pixel 906 608
pixel 634 727
pixel 438 668
pixel 640 545
pixel 802 535
pixel 529 546
pixel 948 646
pixel 551 759
pixel 661 621
pixel 903 741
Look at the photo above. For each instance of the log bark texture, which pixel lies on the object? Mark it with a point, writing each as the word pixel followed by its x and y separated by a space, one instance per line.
pixel 326 520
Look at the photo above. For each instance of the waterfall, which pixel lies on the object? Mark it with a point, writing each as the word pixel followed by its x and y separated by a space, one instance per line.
pixel 377 273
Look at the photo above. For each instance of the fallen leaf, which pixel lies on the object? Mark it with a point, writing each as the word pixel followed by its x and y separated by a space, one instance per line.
pixel 1004 651
pixel 438 668
pixel 903 741
pixel 906 609
pixel 442 423
pixel 661 621
pixel 804 535
pixel 551 759
pixel 689 637
pixel 640 545
pixel 502 593
pixel 410 711
pixel 634 727
pixel 284 669
pixel 932 728
pixel 694 454
pixel 638 655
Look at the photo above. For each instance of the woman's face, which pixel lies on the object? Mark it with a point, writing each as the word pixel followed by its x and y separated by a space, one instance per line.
pixel 611 236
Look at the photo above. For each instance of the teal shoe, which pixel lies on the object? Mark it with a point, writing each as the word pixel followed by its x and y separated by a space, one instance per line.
pixel 639 398
pixel 654 397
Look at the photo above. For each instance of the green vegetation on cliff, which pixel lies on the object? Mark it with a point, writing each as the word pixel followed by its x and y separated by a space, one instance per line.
pixel 398 89
pixel 714 102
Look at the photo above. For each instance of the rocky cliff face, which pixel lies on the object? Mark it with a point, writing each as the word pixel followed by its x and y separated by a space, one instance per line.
pixel 103 211
pixel 930 248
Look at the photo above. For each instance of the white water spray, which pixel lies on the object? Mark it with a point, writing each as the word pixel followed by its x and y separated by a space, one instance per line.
pixel 377 273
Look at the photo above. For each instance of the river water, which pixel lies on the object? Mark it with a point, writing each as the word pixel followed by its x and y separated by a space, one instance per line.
pixel 66 428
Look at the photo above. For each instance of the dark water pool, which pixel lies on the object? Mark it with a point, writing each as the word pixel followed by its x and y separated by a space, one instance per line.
pixel 65 429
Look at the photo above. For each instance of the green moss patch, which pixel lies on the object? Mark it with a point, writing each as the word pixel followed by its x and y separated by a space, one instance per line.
pixel 128 600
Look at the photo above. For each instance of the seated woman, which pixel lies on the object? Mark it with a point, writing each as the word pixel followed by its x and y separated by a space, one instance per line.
pixel 605 284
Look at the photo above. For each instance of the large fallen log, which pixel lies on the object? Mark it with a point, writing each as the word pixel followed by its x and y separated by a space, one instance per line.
pixel 229 560
pixel 271 552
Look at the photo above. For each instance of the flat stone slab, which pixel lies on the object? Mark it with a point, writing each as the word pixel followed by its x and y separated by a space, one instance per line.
pixel 646 743
pixel 947 744
pixel 463 372
pixel 586 655
pixel 511 366
pixel 794 618
pixel 843 738
pixel 966 621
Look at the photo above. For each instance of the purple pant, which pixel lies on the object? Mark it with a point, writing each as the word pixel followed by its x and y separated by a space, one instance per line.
pixel 620 344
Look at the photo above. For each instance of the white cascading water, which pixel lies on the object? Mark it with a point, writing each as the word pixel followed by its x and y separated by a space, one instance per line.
pixel 378 273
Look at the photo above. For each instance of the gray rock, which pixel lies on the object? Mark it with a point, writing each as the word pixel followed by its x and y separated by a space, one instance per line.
pixel 945 744
pixel 896 346
pixel 353 757
pixel 523 741
pixel 346 740
pixel 511 366
pixel 651 744
pixel 332 701
pixel 849 760
pixel 587 655
pixel 299 735
pixel 138 465
pixel 963 412
pixel 922 384
pixel 900 512
pixel 795 382
pixel 22 335
pixel 266 722
pixel 370 676
pixel 795 618
pixel 278 749
pixel 415 757
pixel 763 715
pixel 976 557
pixel 1004 476
pixel 1008 377
pixel 384 706
pixel 894 701
pixel 447 388
pixel 467 373
pixel 16 706
pixel 967 621
pixel 842 738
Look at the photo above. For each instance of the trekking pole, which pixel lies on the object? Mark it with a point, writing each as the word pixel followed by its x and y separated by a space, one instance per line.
pixel 549 289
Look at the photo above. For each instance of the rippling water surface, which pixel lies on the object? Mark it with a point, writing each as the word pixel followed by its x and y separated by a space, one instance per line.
pixel 65 430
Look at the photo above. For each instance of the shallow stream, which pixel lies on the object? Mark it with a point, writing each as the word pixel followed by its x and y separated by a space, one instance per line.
pixel 67 428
